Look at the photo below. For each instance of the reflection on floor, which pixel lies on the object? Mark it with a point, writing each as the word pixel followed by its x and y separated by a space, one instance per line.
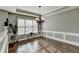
pixel 36 46
pixel 41 45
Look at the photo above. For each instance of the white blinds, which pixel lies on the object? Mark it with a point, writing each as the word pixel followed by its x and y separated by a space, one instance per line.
pixel 26 25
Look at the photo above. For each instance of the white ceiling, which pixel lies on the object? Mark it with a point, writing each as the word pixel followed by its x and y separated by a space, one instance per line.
pixel 32 9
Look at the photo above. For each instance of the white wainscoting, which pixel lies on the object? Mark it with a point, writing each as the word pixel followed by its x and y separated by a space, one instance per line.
pixel 28 38
pixel 4 42
pixel 71 38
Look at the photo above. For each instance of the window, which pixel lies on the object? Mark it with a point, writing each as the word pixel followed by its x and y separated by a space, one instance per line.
pixel 26 26
pixel 29 26
pixel 21 27
pixel 35 27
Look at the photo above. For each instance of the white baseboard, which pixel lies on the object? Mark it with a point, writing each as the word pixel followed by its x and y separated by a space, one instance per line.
pixel 28 38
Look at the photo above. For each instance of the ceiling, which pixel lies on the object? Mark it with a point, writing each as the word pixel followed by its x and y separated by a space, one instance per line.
pixel 31 10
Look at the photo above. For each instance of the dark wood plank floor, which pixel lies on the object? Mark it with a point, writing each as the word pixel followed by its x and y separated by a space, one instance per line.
pixel 42 45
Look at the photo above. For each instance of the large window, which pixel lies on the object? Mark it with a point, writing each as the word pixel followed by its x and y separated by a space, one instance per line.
pixel 29 26
pixel 21 27
pixel 26 26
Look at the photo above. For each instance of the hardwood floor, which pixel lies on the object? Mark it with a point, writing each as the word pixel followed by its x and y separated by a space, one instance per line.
pixel 42 45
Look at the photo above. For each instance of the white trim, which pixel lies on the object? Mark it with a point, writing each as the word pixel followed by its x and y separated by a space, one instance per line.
pixel 4 36
pixel 26 38
pixel 65 41
pixel 4 46
pixel 64 36
pixel 60 11
pixel 66 33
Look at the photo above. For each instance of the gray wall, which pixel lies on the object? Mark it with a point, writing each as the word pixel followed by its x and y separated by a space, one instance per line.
pixel 3 16
pixel 12 18
pixel 65 22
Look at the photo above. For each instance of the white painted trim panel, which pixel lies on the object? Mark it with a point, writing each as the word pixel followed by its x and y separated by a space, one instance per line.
pixel 65 41
pixel 4 36
pixel 64 37
pixel 66 33
pixel 3 50
pixel 29 38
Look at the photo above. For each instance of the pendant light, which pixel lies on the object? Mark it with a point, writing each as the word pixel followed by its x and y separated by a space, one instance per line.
pixel 40 19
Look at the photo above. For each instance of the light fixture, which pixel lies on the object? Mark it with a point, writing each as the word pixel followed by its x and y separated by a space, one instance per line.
pixel 40 19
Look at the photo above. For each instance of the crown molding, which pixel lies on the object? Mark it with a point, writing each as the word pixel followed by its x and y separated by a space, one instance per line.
pixel 63 9
pixel 23 12
pixel 26 12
